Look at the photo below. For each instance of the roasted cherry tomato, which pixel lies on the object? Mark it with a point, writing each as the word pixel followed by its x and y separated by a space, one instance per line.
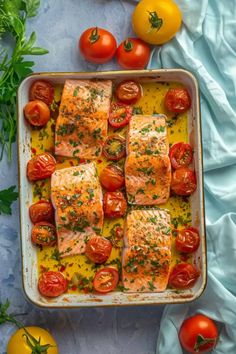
pixel 198 334
pixel 183 276
pixel 18 342
pixel 120 115
pixel 97 45
pixel 183 181
pixel 42 90
pixel 114 148
pixel 98 249
pixel 128 92
pixel 41 211
pixel 52 284
pixel 40 167
pixel 112 178
pixel 37 113
pixel 177 100
pixel 181 154
pixel 133 53
pixel 105 280
pixel 156 22
pixel 114 204
pixel 44 234
pixel 187 240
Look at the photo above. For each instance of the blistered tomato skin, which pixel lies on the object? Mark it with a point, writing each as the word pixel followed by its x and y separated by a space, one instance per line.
pixel 187 240
pixel 114 204
pixel 52 284
pixel 41 211
pixel 37 113
pixel 177 100
pixel 183 181
pixel 98 249
pixel 42 90
pixel 112 178
pixel 120 115
pixel 40 167
pixel 128 92
pixel 183 276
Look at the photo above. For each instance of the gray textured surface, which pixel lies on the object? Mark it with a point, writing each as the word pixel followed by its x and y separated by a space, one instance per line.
pixel 113 330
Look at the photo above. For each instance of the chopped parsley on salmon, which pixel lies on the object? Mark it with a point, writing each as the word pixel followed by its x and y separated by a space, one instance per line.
pixel 77 198
pixel 81 127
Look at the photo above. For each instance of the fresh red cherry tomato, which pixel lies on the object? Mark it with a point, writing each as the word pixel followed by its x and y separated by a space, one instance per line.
pixel 44 234
pixel 133 53
pixel 97 45
pixel 181 155
pixel 106 280
pixel 98 249
pixel 128 92
pixel 41 211
pixel 40 167
pixel 114 148
pixel 112 178
pixel 183 181
pixel 198 334
pixel 183 276
pixel 52 284
pixel 37 113
pixel 177 100
pixel 120 115
pixel 187 240
pixel 114 204
pixel 42 90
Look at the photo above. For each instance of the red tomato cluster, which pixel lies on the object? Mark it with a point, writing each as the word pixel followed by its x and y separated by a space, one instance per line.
pixel 37 110
pixel 98 45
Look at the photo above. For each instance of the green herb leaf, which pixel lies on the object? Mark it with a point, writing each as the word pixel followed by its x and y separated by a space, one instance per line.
pixel 7 197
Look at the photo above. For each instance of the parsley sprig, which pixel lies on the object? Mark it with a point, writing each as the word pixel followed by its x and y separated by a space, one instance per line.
pixel 13 67
pixel 7 197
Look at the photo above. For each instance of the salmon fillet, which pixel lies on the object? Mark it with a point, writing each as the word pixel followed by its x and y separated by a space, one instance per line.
pixel 81 127
pixel 77 198
pixel 145 270
pixel 147 252
pixel 150 227
pixel 148 135
pixel 147 179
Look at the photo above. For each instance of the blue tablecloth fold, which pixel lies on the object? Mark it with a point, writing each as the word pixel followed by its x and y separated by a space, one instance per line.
pixel 206 45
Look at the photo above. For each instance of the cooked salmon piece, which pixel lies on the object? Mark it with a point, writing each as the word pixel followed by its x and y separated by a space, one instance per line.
pixel 145 270
pixel 147 252
pixel 147 135
pixel 148 227
pixel 147 179
pixel 81 127
pixel 77 198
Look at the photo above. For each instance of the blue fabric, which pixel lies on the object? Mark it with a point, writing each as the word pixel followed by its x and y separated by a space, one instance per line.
pixel 206 45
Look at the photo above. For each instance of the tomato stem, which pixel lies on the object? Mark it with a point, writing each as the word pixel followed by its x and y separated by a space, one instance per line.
pixel 31 341
pixel 94 35
pixel 201 341
pixel 128 45
pixel 155 21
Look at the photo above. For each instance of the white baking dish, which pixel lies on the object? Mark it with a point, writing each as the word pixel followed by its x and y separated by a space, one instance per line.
pixel 29 257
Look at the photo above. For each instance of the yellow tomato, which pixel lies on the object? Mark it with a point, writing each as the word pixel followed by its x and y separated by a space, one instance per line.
pixel 156 21
pixel 18 345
